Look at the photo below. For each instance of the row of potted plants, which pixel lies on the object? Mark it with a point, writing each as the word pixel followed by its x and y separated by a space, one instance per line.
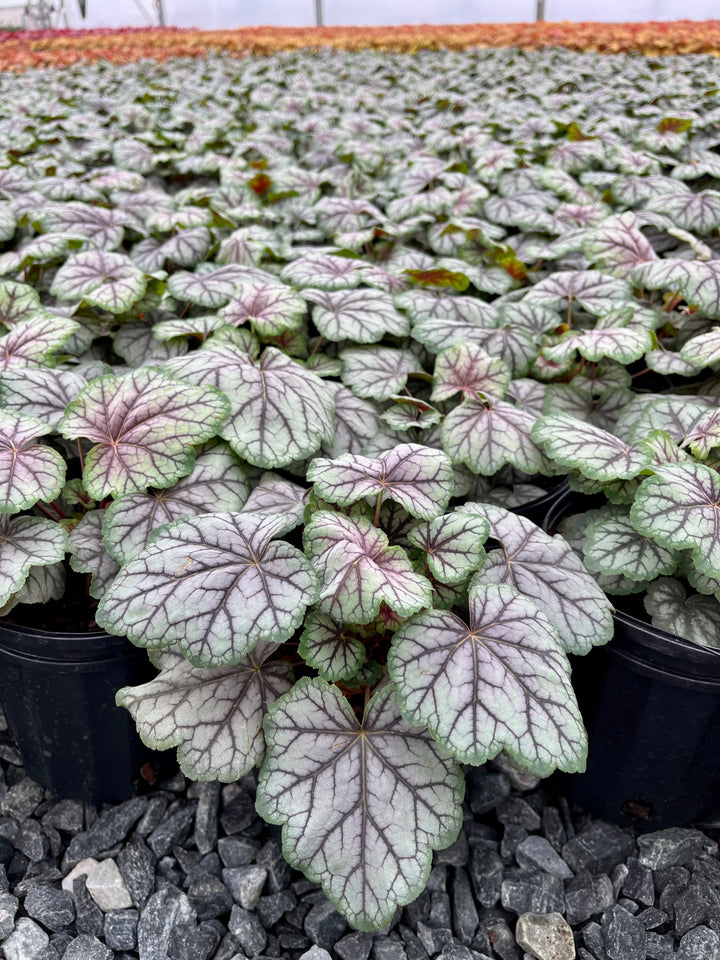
pixel 292 369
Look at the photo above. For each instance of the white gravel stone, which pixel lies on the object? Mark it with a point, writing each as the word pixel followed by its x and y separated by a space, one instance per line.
pixel 107 887
pixel 84 868
pixel 545 936
pixel 26 941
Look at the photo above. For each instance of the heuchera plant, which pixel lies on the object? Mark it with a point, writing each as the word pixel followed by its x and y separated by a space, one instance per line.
pixel 280 349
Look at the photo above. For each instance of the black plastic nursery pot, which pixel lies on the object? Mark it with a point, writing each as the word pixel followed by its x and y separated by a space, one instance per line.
pixel 58 693
pixel 651 704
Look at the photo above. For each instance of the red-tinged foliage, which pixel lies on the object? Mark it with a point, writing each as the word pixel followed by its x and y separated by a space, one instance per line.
pixel 21 50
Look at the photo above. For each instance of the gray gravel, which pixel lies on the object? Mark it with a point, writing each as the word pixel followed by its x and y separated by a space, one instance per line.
pixel 189 872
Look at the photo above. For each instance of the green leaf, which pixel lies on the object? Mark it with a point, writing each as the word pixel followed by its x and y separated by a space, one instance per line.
pixel 334 652
pixel 144 426
pixel 216 480
pixel 703 350
pixel 614 546
pixel 370 855
pixel 418 478
pixel 488 434
pixel 680 508
pixel 596 453
pixel 704 435
pixel 468 369
pixel 27 542
pixel 110 281
pixel 29 471
pixel 546 570
pixel 215 584
pixel 213 715
pixel 624 344
pixel 453 545
pixel 695 618
pixel 498 682
pixel 18 301
pixel 359 570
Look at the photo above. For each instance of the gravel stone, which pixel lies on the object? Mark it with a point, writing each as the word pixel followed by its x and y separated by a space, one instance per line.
pixel 209 897
pixel 413 946
pixel 110 828
pixel 513 836
pixel 465 915
pixel 355 946
pixel 173 831
pixel 533 893
pixel 238 814
pixel 26 941
pixel 638 884
pixel 587 896
pixel 248 930
pixel 502 939
pixel 245 884
pixel 51 907
pixel 32 842
pixel 624 936
pixel 439 915
pixel 279 872
pixel 82 869
pixel 315 953
pixel 487 790
pixel 651 918
pixel 599 848
pixel 237 851
pixel 546 936
pixel 553 828
pixel 386 949
pixel 137 865
pixel 536 853
pixel 516 811
pixel 486 873
pixel 456 855
pixel 22 799
pixel 660 947
pixel 107 888
pixel 433 939
pixel 191 942
pixel 163 911
pixel 87 948
pixel 120 930
pixel 673 847
pixel 8 908
pixel 702 943
pixel 698 904
pixel 206 816
pixel 272 908
pixel 66 815
pixel 324 925
pixel 88 915
pixel 154 813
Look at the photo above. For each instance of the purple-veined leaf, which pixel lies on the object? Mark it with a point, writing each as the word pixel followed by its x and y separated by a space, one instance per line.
pixel 468 369
pixel 596 453
pixel 8 224
pixel 332 650
pixel 357 423
pixel 103 227
pixel 487 434
pixel 359 570
pixel 703 350
pixel 670 362
pixel 407 413
pixel 138 346
pixel 213 715
pixel 42 584
pixel 212 289
pixel 437 333
pixel 88 553
pixel 516 347
pixel 532 317
pixel 663 449
pixel 595 292
pixel 276 496
pixel 694 617
pixel 453 545
pixel 363 315
pixel 699 212
pixel 215 585
pixel 418 478
pixel 18 301
pixel 217 480
pixel 187 248
pixel 675 415
pixel 370 855
pixel 199 327
pixel 548 571
pixel 624 344
pixel 29 471
pixel 27 542
pixel 145 425
pixel 704 435
pixel 377 372
pixel 679 507
pixel 39 392
pixel 32 342
pixel 248 245
pixel 110 281
pixel 280 412
pixel 271 308
pixel 500 682
pixel 324 271
pixel 617 246
pixel 614 546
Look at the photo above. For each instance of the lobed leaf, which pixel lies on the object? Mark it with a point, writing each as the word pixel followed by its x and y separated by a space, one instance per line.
pixel 487 434
pixel 29 471
pixel 453 545
pixel 596 453
pixel 334 652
